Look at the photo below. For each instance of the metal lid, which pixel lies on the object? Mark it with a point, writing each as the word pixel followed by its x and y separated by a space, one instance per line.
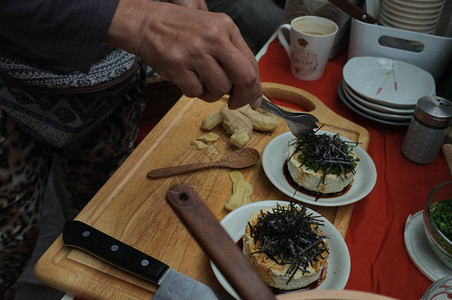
pixel 434 111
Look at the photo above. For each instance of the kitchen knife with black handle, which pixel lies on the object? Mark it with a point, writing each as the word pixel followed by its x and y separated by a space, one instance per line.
pixel 172 284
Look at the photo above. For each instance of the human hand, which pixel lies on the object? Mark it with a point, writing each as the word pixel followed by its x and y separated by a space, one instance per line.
pixel 203 53
pixel 196 4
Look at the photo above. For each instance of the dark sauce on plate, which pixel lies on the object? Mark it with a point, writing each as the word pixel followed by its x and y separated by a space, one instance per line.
pixel 316 195
pixel 311 286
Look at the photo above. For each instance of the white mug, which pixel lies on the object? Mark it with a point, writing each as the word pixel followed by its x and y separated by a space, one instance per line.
pixel 311 41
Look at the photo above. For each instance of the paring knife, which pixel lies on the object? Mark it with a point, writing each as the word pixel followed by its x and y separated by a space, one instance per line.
pixel 172 284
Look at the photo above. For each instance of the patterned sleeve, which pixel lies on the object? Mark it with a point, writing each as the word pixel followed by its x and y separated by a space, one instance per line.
pixel 65 33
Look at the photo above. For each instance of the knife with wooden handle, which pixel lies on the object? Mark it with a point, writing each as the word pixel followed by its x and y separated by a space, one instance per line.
pixel 216 243
pixel 354 11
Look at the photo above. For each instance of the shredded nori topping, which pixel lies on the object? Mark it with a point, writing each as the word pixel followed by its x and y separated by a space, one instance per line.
pixel 323 152
pixel 288 235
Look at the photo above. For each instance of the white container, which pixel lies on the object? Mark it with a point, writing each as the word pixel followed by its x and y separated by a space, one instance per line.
pixel 366 40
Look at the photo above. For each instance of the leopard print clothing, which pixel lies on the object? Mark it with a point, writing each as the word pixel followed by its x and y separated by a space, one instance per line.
pixel 24 166
pixel 80 172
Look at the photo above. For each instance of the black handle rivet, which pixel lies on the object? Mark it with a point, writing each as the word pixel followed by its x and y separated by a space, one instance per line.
pixel 144 262
pixel 86 233
pixel 114 248
pixel 183 197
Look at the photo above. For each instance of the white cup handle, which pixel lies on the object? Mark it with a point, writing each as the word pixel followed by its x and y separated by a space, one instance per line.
pixel 282 37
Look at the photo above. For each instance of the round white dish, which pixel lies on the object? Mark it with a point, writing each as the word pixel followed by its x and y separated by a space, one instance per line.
pixel 419 4
pixel 374 106
pixel 412 11
pixel 427 28
pixel 388 82
pixel 424 24
pixel 419 250
pixel 338 262
pixel 350 105
pixel 419 44
pixel 276 153
pixel 412 14
pixel 375 113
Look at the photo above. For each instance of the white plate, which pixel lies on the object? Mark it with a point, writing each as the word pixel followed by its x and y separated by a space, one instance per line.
pixel 407 19
pixel 352 106
pixel 431 11
pixel 375 113
pixel 374 106
pixel 276 153
pixel 338 262
pixel 395 11
pixel 427 28
pixel 438 4
pixel 419 250
pixel 374 78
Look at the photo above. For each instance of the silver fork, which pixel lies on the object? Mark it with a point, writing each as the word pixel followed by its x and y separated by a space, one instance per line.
pixel 299 123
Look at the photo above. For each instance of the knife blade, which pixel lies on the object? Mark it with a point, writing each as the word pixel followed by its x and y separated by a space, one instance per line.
pixel 172 284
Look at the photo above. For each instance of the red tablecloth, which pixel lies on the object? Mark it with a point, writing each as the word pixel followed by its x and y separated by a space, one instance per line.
pixel 379 261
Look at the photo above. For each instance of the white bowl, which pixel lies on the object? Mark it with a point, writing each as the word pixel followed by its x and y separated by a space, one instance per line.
pixel 421 29
pixel 419 5
pixel 387 81
pixel 407 21
pixel 413 14
pixel 426 11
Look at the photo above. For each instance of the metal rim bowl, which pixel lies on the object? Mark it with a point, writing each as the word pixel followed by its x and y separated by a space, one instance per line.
pixel 441 287
pixel 440 244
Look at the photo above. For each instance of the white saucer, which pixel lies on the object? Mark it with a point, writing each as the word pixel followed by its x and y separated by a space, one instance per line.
pixel 419 250
pixel 352 106
pixel 431 12
pixel 374 106
pixel 387 81
pixel 376 113
pixel 276 153
pixel 338 262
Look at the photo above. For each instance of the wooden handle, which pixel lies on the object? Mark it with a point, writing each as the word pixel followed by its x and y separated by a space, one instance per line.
pixel 216 243
pixel 177 170
pixel 446 149
pixel 354 11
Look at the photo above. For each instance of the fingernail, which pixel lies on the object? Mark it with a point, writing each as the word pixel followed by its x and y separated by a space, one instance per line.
pixel 257 102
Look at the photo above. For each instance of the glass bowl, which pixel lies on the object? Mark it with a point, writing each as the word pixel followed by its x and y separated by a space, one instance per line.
pixel 440 289
pixel 440 244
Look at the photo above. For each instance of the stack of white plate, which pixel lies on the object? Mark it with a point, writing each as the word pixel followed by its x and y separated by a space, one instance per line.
pixel 384 90
pixel 415 15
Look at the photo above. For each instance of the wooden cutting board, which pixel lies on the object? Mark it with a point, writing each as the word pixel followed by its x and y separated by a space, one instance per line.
pixel 132 208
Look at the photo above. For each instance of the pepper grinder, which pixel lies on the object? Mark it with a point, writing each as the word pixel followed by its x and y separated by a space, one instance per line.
pixel 428 128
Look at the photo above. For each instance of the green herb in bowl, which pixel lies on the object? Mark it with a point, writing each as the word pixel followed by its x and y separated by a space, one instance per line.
pixel 441 213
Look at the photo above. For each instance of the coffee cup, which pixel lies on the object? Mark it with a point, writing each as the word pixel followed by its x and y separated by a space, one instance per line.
pixel 311 41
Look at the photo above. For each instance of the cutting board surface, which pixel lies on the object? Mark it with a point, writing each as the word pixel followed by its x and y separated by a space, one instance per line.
pixel 133 209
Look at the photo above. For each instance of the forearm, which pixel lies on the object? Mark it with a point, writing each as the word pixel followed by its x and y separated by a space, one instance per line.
pixel 126 24
pixel 202 52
